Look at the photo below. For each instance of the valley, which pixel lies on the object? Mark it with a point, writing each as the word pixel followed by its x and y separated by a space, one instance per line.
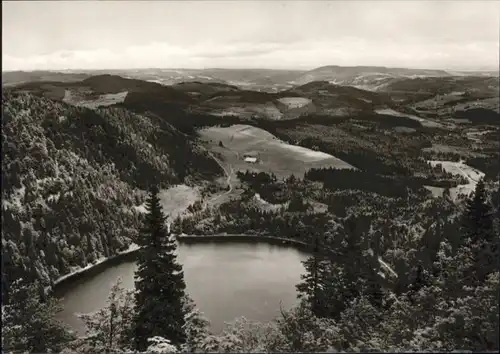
pixel 345 159
pixel 250 177
pixel 370 141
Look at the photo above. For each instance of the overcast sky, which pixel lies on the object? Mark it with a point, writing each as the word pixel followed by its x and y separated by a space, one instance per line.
pixel 459 35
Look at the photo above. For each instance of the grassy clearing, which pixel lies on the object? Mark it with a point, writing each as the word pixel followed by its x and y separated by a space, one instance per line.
pixel 268 111
pixel 424 122
pixel 460 168
pixel 449 149
pixel 102 101
pixel 436 191
pixel 265 205
pixel 175 200
pixel 274 155
pixel 295 102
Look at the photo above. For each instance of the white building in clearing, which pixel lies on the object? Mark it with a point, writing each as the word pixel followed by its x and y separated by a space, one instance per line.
pixel 251 157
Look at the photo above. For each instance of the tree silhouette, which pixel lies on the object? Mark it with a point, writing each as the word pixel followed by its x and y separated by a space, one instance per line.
pixel 159 281
pixel 479 235
pixel 478 221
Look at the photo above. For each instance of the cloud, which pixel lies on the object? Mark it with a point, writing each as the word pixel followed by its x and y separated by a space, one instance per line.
pixel 106 34
pixel 341 51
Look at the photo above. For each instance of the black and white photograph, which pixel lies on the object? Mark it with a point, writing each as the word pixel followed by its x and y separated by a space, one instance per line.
pixel 250 176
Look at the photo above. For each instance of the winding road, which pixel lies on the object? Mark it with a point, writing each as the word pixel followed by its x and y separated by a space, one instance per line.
pixel 466 175
pixel 228 180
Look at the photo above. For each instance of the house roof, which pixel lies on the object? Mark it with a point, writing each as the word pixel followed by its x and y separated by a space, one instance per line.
pixel 251 154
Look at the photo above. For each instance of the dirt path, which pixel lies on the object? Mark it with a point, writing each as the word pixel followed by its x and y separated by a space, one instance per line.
pixel 472 176
pixel 229 175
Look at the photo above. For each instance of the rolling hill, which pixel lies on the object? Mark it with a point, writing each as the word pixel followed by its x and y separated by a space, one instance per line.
pixel 10 78
pixel 208 98
pixel 367 77
pixel 269 80
pixel 422 97
pixel 332 98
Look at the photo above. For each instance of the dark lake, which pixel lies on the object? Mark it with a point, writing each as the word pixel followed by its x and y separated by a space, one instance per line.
pixel 226 280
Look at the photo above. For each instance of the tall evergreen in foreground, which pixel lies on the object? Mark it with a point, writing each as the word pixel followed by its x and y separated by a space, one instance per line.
pixel 312 287
pixel 479 233
pixel 478 218
pixel 159 281
pixel 317 286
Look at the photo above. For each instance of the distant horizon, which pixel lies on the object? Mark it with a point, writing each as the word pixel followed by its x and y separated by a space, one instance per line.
pixel 252 68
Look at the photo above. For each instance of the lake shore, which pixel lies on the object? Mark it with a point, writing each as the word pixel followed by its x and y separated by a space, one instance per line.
pixel 61 284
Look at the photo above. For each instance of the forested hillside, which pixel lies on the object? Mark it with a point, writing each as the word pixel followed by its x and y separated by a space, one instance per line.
pixel 437 289
pixel 71 175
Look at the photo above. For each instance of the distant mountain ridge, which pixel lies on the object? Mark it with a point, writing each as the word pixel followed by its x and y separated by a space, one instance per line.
pixel 10 78
pixel 270 80
pixel 347 94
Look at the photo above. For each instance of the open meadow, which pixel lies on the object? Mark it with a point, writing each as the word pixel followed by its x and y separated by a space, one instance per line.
pixel 272 155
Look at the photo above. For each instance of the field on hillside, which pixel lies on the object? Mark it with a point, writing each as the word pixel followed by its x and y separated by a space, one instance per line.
pixel 424 122
pixel 451 149
pixel 273 155
pixel 250 110
pixel 295 102
pixel 460 168
pixel 101 101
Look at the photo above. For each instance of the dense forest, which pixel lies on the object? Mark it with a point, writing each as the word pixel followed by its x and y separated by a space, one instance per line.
pixel 394 210
pixel 444 297
pixel 392 267
pixel 70 177
pixel 374 144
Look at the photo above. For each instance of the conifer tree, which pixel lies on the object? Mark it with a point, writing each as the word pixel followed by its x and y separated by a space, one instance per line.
pixel 177 225
pixel 317 282
pixel 478 231
pixel 159 281
pixel 309 288
pixel 477 223
pixel 28 322
pixel 447 193
pixel 357 266
pixel 496 200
